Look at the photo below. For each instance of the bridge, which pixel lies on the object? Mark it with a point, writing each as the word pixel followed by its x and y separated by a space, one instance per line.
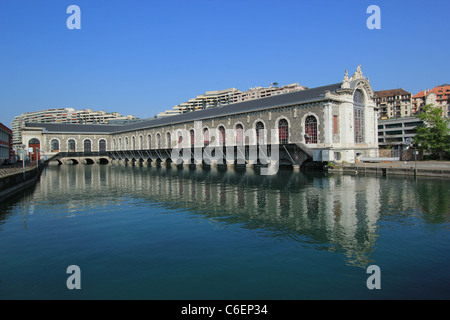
pixel 287 154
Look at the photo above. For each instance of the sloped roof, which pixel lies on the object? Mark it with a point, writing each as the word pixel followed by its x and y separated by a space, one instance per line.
pixel 390 93
pixel 286 99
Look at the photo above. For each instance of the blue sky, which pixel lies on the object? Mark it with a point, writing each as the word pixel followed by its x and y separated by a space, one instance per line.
pixel 143 57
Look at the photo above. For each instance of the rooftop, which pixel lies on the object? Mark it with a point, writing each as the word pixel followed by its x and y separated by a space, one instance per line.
pixel 286 99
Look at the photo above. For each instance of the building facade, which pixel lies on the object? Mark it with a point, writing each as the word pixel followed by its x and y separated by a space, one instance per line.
pixel 62 115
pixel 6 151
pixel 397 132
pixel 395 103
pixel 438 96
pixel 336 122
pixel 219 98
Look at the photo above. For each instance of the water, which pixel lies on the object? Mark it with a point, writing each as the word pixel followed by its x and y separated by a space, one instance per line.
pixel 157 233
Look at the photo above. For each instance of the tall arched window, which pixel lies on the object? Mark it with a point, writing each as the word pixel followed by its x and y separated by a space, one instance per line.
pixel 102 145
pixel 169 142
pixel 158 141
pixel 120 144
pixel 180 140
pixel 259 132
pixel 221 135
pixel 54 145
pixel 205 137
pixel 141 142
pixel 71 145
pixel 127 145
pixel 311 129
pixel 358 114
pixel 87 145
pixel 239 135
pixel 192 134
pixel 133 143
pixel 283 131
pixel 149 142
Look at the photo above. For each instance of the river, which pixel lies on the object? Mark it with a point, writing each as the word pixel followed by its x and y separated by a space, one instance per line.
pixel 225 233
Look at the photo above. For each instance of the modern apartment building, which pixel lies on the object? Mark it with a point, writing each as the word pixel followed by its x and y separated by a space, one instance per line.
pixel 6 152
pixel 228 96
pixel 438 96
pixel 394 103
pixel 396 132
pixel 62 115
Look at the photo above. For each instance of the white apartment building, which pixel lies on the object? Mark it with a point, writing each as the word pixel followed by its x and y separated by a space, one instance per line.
pixel 219 98
pixel 61 115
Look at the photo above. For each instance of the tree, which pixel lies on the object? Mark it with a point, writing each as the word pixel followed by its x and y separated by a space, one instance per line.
pixel 433 135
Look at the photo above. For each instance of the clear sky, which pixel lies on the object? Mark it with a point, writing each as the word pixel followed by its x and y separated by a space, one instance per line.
pixel 142 57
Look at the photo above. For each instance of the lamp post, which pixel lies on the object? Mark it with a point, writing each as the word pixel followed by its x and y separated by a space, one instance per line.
pixel 23 160
pixel 37 159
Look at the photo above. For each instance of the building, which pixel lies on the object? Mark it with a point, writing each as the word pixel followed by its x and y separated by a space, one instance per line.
pixel 438 96
pixel 335 122
pixel 6 151
pixel 219 98
pixel 395 103
pixel 61 115
pixel 397 132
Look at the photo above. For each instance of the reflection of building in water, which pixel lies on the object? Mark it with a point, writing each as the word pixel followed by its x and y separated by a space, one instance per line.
pixel 334 213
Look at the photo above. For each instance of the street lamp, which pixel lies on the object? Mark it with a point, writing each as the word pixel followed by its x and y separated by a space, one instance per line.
pixel 23 160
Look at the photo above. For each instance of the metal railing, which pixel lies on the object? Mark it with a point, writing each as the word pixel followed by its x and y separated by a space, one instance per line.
pixel 7 170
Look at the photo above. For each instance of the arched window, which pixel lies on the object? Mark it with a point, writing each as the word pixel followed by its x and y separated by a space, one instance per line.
pixel 259 132
pixel 205 137
pixel 192 134
pixel 149 142
pixel 126 143
pixel 54 145
pixel 102 145
pixel 120 144
pixel 141 142
pixel 283 131
pixel 87 145
pixel 71 145
pixel 239 135
pixel 311 129
pixel 221 135
pixel 133 143
pixel 180 140
pixel 114 144
pixel 158 140
pixel 169 143
pixel 358 114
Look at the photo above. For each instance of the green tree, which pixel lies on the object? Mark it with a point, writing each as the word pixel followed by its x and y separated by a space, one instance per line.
pixel 433 135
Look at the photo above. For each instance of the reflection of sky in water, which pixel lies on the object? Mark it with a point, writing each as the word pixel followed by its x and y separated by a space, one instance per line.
pixel 334 213
pixel 233 223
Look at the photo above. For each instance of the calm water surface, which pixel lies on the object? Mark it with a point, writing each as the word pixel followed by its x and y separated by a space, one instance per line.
pixel 157 233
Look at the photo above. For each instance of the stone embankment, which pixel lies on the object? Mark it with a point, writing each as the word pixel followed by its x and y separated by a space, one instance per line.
pixel 398 168
pixel 14 179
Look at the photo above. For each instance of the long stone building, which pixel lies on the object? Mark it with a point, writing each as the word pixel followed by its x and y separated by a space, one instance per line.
pixel 336 122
